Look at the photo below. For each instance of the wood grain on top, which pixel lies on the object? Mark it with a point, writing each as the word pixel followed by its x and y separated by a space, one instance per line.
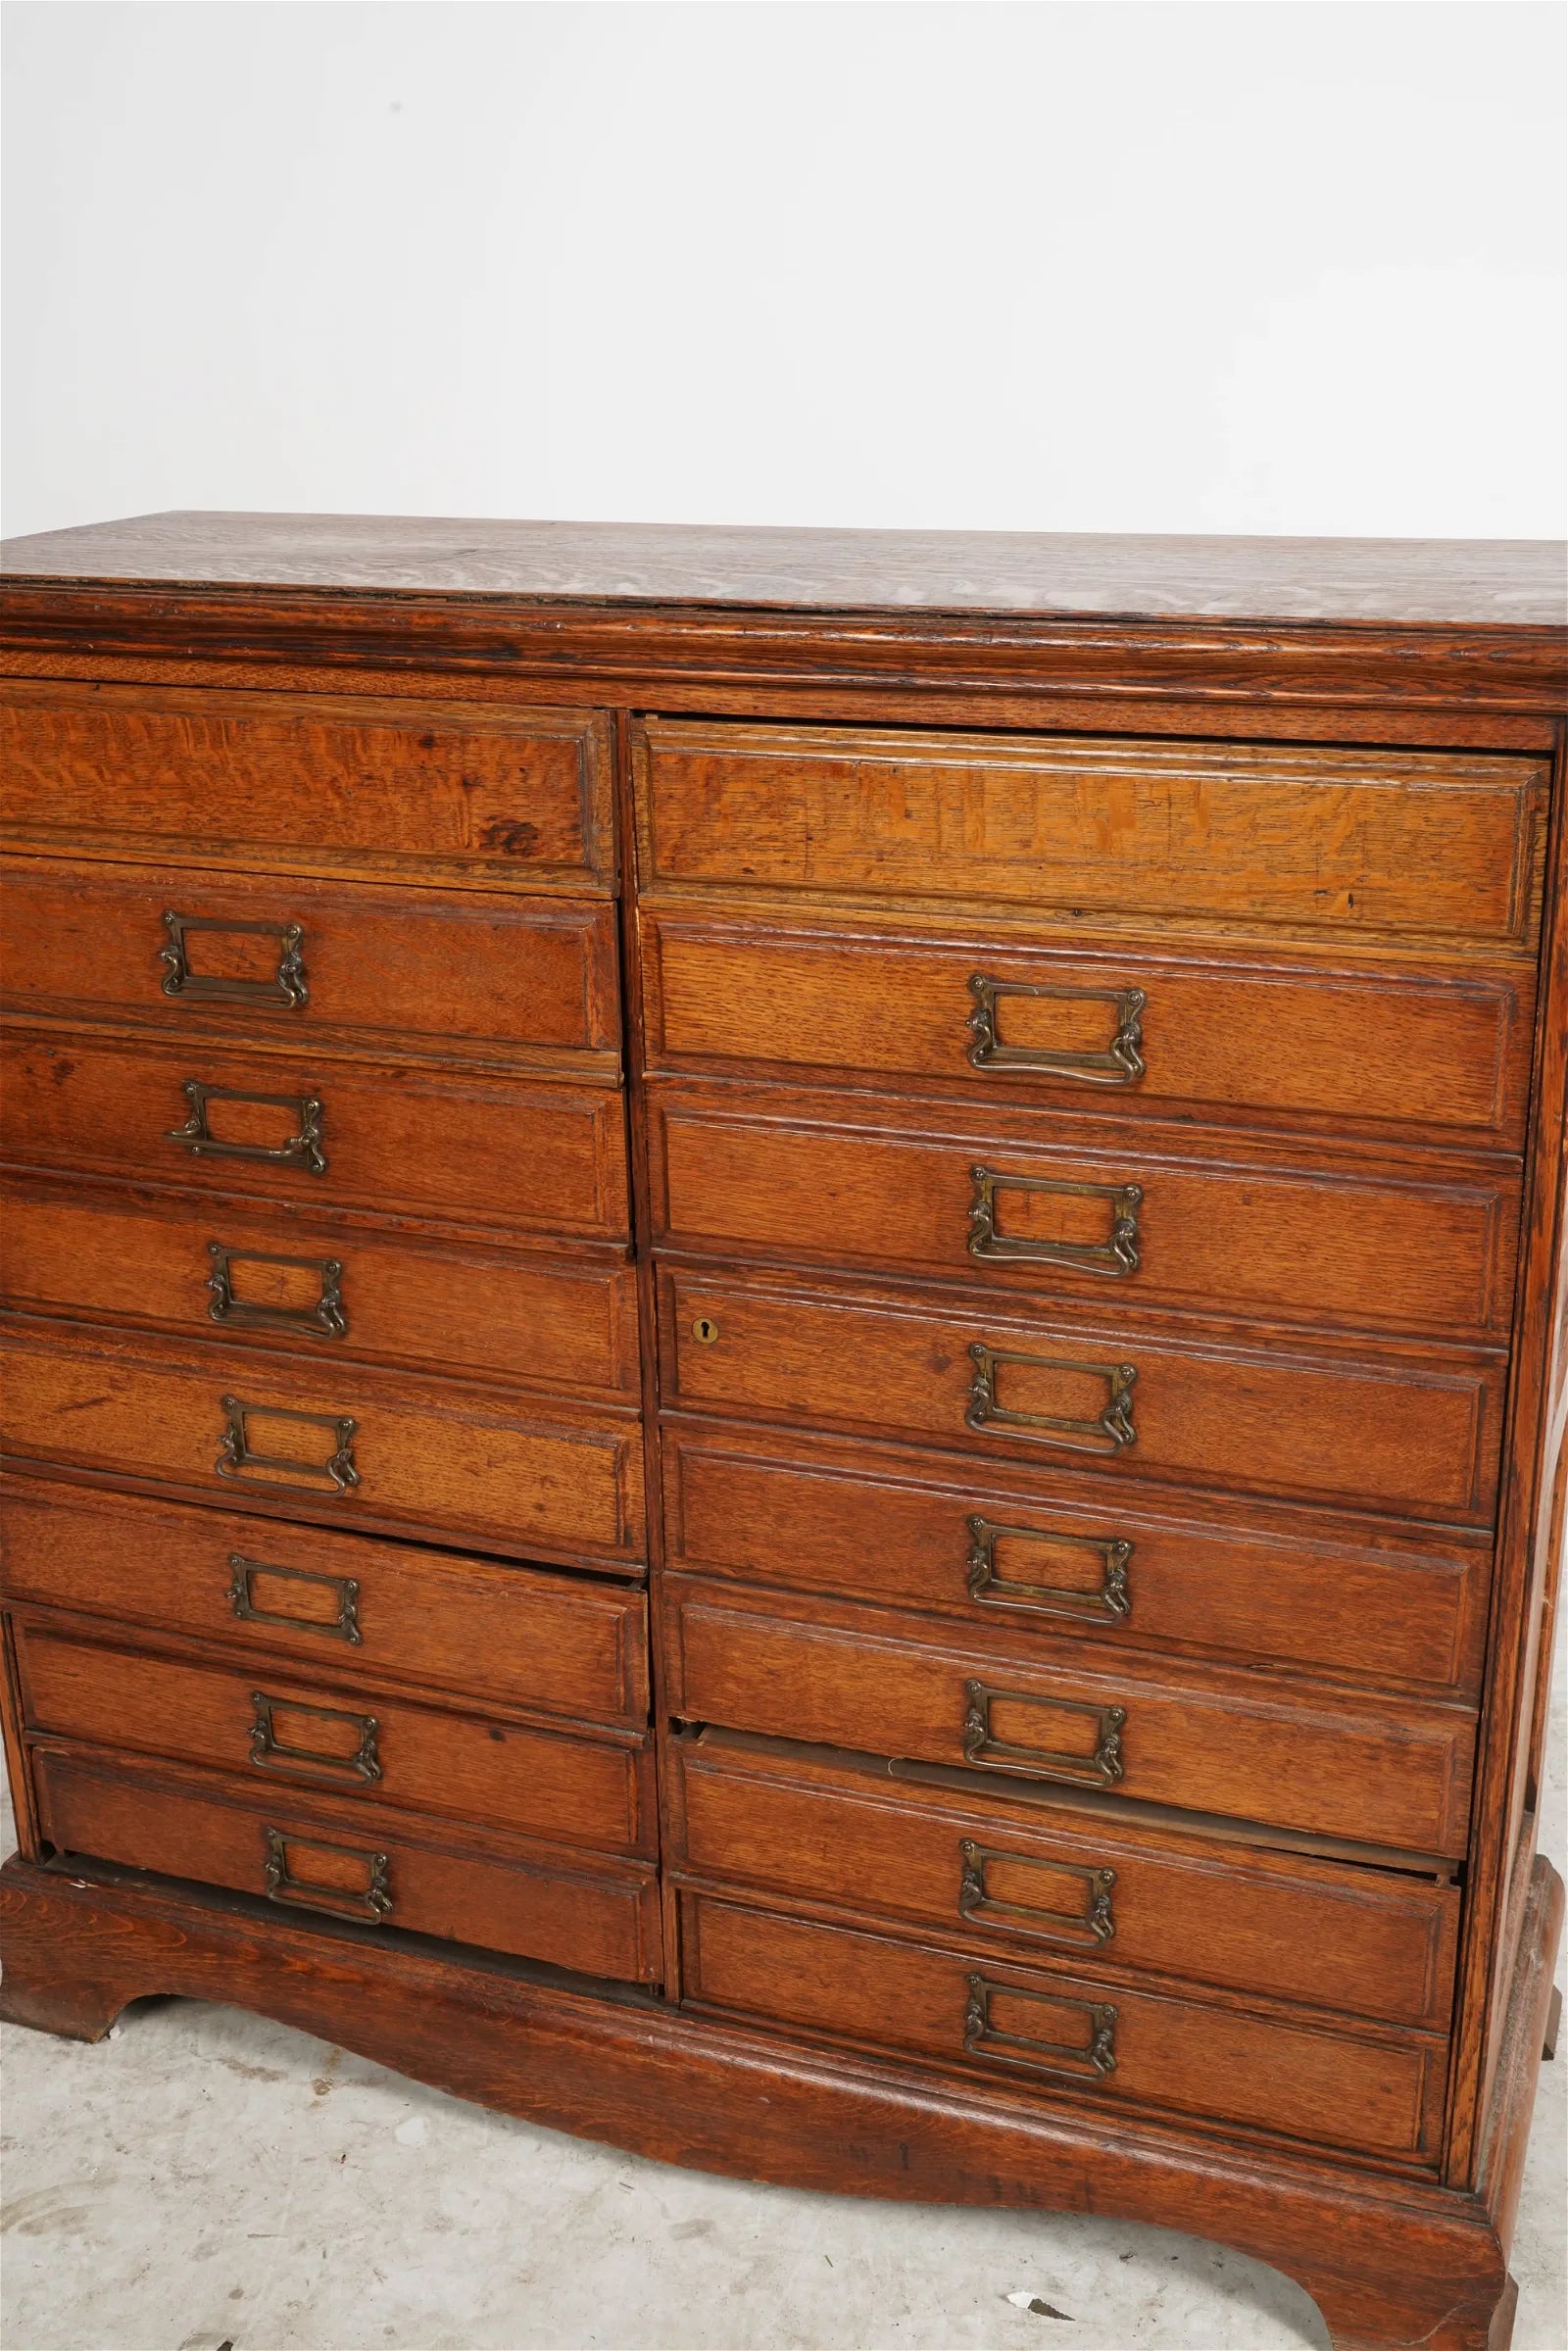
pixel 1464 583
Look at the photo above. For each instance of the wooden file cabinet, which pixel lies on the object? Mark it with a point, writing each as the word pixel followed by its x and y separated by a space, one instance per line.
pixel 785 1313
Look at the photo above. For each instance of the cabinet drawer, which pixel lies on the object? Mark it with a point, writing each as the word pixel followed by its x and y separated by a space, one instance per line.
pixel 502 980
pixel 307 1853
pixel 1098 1028
pixel 1038 1556
pixel 1357 1244
pixel 1063 1883
pixel 198 1269
pixel 1416 1435
pixel 1068 2034
pixel 1395 1773
pixel 464 1148
pixel 332 1603
pixel 452 791
pixel 272 1727
pixel 355 1445
pixel 1378 843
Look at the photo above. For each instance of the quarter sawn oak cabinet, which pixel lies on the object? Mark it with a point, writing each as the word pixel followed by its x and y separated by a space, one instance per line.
pixel 787 1348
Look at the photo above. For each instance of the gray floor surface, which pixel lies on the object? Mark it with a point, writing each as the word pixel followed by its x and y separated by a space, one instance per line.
pixel 206 2180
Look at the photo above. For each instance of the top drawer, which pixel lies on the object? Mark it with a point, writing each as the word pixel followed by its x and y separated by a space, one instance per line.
pixel 460 792
pixel 1375 844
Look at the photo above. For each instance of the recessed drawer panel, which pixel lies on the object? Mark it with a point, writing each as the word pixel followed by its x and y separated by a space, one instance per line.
pixel 1061 1882
pixel 324 1602
pixel 1374 843
pixel 502 980
pixel 1413 1433
pixel 1379 1772
pixel 291 1734
pixel 466 1149
pixel 354 1445
pixel 1004 2027
pixel 452 791
pixel 311 1855
pixel 1099 1029
pixel 1348 1244
pixel 199 1269
pixel 1036 1555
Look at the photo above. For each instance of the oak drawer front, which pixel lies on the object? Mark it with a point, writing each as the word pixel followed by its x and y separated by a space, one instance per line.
pixel 1414 1434
pixel 354 783
pixel 357 1445
pixel 1346 1245
pixel 507 980
pixel 1379 1772
pixel 460 1148
pixel 272 1727
pixel 324 1602
pixel 1005 2026
pixel 199 1269
pixel 1119 1031
pixel 1068 1887
pixel 1378 843
pixel 1037 1558
pixel 327 1860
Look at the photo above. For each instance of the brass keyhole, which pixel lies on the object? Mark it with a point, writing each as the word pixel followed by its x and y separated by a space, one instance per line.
pixel 705 1332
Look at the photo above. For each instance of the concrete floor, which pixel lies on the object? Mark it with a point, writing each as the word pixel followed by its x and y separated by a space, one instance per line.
pixel 207 2181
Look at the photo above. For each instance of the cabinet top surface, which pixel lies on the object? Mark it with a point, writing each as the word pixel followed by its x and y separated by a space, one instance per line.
pixel 1454 582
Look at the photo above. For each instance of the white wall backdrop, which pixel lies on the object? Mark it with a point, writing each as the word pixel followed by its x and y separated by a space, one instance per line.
pixel 1111 266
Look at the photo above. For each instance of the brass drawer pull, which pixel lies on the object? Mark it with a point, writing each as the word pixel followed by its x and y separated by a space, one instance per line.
pixel 1110 1604
pixel 326 1318
pixel 373 1902
pixel 272 1753
pixel 1090 2060
pixel 1105 1433
pixel 286 986
pixel 1101 1766
pixel 1115 1256
pixel 1120 1064
pixel 238 1457
pixel 345 1589
pixel 1084 1932
pixel 302 1148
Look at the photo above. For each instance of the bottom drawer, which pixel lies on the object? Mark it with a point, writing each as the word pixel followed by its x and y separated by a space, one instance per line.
pixel 345 1862
pixel 1377 2096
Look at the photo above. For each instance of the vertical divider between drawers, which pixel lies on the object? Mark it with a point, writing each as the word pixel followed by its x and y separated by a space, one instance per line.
pixel 632 1056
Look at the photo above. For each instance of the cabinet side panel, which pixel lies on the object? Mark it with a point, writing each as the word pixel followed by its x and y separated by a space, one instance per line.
pixel 1523 1567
